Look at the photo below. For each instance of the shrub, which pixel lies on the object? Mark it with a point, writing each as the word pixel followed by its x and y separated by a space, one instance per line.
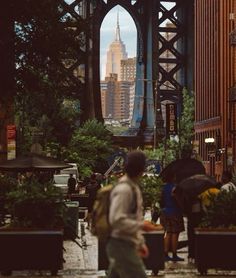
pixel 151 187
pixel 36 205
pixel 221 212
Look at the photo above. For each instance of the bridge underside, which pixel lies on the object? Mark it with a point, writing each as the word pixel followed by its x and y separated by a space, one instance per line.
pixel 164 59
pixel 164 63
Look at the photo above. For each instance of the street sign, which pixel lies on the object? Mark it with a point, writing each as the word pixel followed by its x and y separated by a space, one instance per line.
pixel 171 119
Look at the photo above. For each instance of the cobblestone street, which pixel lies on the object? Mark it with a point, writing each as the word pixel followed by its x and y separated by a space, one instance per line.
pixel 83 263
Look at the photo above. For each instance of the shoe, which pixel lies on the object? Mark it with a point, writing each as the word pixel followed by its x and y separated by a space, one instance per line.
pixel 177 259
pixel 167 258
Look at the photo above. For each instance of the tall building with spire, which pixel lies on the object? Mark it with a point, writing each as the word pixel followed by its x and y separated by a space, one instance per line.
pixel 116 53
pixel 117 90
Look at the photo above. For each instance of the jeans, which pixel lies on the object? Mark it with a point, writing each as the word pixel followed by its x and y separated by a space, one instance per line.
pixel 124 261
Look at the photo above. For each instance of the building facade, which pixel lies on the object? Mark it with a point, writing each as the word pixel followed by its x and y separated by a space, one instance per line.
pixel 128 69
pixel 215 77
pixel 115 96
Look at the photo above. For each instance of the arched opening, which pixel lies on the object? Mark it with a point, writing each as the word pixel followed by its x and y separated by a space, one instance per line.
pixel 118 48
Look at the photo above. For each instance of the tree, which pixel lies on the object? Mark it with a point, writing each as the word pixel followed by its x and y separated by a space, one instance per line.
pixel 171 149
pixel 46 48
pixel 186 123
pixel 90 147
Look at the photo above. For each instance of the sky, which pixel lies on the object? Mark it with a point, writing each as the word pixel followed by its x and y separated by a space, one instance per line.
pixel 127 30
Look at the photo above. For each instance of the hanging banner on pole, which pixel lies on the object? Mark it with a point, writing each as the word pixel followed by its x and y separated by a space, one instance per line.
pixel 171 119
pixel 11 142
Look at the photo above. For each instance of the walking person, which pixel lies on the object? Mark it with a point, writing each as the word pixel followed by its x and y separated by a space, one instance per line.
pixel 92 188
pixel 171 219
pixel 126 245
pixel 71 183
pixel 227 183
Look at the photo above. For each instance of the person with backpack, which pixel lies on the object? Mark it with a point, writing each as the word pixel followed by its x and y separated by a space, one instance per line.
pixel 126 246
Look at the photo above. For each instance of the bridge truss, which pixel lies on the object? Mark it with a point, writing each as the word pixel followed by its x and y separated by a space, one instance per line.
pixel 164 56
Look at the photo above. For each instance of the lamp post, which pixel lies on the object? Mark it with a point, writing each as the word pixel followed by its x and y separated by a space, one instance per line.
pixel 211 153
pixel 155 116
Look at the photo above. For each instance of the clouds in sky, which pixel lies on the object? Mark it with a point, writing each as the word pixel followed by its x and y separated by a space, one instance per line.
pixel 128 33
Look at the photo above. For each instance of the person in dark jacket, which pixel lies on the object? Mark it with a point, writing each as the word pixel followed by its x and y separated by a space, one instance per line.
pixel 71 183
pixel 92 188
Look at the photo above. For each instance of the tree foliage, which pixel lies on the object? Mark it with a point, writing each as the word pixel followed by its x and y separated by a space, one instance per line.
pixel 171 149
pixel 151 187
pixel 90 147
pixel 186 126
pixel 44 46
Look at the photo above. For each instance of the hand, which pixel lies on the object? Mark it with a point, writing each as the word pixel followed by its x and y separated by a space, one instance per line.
pixel 149 227
pixel 143 251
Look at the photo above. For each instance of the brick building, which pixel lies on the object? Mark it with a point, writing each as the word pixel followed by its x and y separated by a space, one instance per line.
pixel 215 79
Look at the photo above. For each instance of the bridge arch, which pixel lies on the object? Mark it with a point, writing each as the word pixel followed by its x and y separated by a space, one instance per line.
pixel 147 15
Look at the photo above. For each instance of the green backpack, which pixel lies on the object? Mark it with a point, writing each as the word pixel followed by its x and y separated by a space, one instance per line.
pixel 100 225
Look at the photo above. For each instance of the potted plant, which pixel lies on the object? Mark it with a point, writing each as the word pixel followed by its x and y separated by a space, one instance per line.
pixel 7 184
pixel 34 237
pixel 151 187
pixel 215 238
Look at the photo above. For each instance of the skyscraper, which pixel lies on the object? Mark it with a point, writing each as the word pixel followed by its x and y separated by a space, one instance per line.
pixel 128 69
pixel 117 90
pixel 116 53
pixel 115 96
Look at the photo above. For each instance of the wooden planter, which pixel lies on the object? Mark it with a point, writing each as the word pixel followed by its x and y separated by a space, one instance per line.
pixel 155 260
pixel 31 250
pixel 215 249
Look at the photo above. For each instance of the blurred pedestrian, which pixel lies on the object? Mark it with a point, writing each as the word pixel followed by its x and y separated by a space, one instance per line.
pixel 227 183
pixel 126 244
pixel 171 219
pixel 92 188
pixel 71 183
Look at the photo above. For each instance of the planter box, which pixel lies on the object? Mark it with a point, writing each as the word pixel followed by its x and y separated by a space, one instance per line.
pixel 215 249
pixel 72 220
pixel 155 260
pixel 31 250
pixel 155 242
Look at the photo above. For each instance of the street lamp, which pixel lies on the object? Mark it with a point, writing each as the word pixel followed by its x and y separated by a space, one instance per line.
pixel 210 140
pixel 211 153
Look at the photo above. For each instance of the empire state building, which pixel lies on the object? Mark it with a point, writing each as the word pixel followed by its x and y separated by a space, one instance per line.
pixel 115 54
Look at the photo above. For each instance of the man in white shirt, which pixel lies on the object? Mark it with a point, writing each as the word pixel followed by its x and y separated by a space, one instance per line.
pixel 226 181
pixel 126 244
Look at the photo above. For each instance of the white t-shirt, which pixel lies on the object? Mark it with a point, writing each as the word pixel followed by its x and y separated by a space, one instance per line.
pixel 228 186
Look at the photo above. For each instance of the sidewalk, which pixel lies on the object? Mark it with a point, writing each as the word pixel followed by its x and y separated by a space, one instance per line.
pixel 82 263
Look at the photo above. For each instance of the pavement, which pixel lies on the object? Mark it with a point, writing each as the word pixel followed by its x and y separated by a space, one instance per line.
pixel 81 261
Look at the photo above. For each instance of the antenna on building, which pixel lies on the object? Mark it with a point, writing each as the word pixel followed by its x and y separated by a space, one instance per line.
pixel 118 27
